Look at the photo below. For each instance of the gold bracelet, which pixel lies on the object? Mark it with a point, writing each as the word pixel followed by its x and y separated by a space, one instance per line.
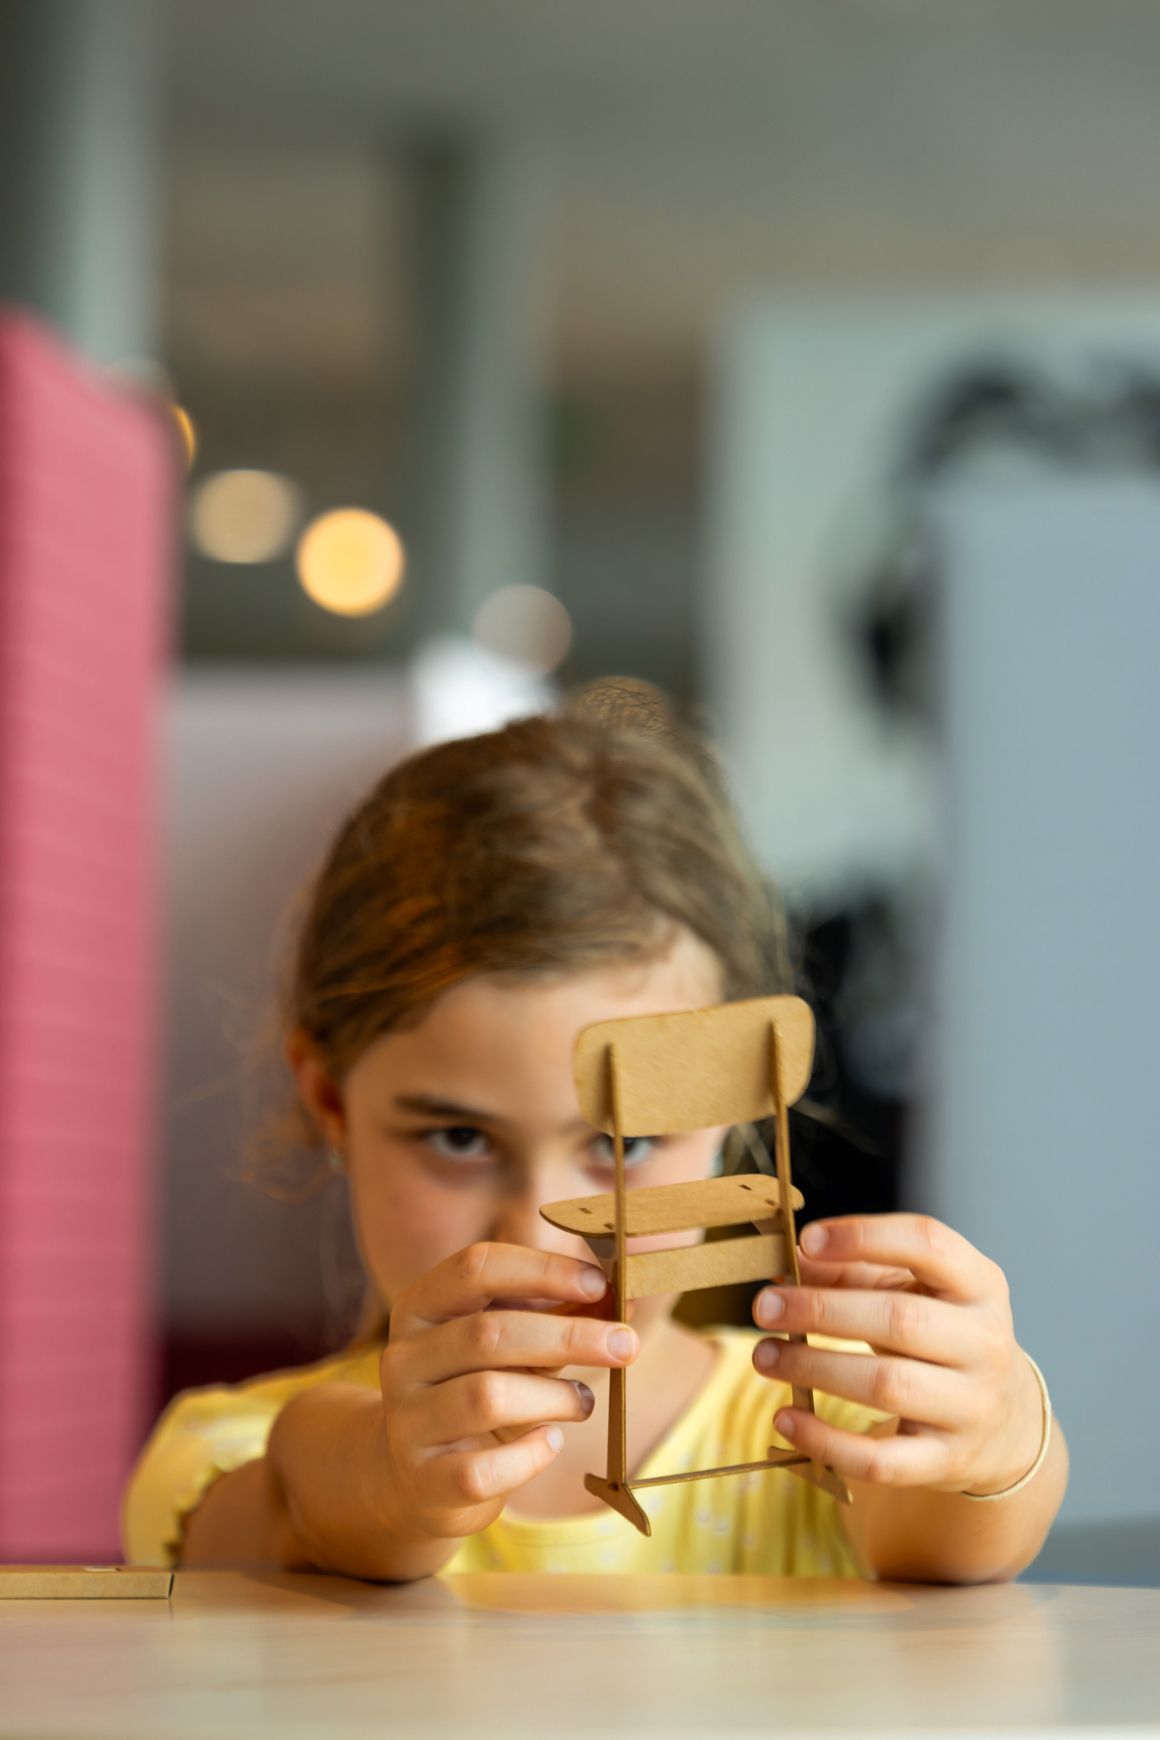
pixel 1010 1491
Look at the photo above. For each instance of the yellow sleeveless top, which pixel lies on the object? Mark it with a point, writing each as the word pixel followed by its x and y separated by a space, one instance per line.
pixel 767 1522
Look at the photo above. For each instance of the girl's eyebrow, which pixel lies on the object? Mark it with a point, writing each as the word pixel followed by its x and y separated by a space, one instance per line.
pixel 428 1106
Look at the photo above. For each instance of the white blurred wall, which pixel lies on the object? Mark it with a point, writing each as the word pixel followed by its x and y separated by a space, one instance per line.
pixel 811 396
pixel 261 769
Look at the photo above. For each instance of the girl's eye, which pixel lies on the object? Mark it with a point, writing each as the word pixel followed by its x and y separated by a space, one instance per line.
pixel 636 1149
pixel 465 1142
pixel 457 1142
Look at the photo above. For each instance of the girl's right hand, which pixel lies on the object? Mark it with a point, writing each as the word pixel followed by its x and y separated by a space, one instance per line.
pixel 460 1372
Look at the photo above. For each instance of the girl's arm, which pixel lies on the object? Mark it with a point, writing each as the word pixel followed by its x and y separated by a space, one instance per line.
pixel 240 1521
pixel 314 1502
pixel 385 1485
pixel 918 1535
pixel 968 1414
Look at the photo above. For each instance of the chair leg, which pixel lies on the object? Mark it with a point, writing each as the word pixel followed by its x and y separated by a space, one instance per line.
pixel 802 1398
pixel 819 1476
pixel 621 1499
pixel 613 1489
pixel 617 1425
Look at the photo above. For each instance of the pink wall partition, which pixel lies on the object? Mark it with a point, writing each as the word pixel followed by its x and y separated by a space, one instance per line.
pixel 85 498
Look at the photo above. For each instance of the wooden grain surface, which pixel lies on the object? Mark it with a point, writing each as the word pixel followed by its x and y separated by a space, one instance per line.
pixel 560 1657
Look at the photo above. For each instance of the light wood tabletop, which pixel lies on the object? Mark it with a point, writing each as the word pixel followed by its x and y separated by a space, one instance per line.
pixel 502 1654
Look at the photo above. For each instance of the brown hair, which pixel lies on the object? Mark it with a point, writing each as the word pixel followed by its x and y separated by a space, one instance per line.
pixel 557 843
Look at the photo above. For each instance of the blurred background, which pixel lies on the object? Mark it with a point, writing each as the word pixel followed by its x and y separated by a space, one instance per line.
pixel 803 359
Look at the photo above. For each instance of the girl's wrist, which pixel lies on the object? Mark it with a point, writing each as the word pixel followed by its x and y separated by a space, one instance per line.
pixel 1035 1441
pixel 325 1450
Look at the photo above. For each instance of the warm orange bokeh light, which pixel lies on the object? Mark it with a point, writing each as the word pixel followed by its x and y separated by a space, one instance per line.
pixel 350 562
pixel 186 433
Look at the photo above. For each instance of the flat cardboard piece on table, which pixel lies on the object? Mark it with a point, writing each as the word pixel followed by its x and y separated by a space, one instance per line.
pixel 696 1068
pixel 668 1208
pixel 85 1582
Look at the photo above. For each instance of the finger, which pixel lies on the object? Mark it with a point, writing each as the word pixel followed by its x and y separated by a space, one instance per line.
pixel 473 1278
pixel 493 1340
pixel 935 1254
pixel 907 1323
pixel 493 1401
pixel 466 1477
pixel 865 1275
pixel 603 1311
pixel 911 1389
pixel 918 1459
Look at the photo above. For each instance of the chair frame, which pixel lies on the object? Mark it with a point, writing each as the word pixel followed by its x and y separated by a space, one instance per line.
pixel 601 1094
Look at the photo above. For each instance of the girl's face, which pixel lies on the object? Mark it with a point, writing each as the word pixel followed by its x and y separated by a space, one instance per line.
pixel 458 1129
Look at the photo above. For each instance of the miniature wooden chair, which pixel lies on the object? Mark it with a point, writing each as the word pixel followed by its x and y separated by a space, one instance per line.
pixel 657 1075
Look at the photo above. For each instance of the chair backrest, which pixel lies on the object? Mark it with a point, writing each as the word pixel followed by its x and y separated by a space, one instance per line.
pixel 696 1068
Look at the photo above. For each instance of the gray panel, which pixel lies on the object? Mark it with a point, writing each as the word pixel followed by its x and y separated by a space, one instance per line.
pixel 1047 1058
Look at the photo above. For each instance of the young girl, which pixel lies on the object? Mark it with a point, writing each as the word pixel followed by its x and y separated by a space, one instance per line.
pixel 486 901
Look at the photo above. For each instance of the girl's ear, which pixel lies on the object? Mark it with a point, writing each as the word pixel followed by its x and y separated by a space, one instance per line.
pixel 319 1093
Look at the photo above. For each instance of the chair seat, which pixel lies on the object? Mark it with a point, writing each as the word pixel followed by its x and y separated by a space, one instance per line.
pixel 665 1208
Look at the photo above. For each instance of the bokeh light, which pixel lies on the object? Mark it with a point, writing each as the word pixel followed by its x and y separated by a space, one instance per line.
pixel 350 562
pixel 244 516
pixel 186 433
pixel 524 623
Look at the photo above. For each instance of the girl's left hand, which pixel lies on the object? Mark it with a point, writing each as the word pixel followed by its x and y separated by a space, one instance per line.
pixel 945 1361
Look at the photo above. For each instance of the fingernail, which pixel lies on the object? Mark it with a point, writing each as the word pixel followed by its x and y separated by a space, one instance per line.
pixel 814 1240
pixel 767 1355
pixel 770 1306
pixel 622 1343
pixel 785 1425
pixel 587 1399
pixel 593 1284
pixel 555 1438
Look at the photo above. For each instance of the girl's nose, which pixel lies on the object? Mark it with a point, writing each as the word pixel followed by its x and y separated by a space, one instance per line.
pixel 517 1221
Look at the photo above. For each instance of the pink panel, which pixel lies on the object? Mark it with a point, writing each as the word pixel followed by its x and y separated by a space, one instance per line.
pixel 85 497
